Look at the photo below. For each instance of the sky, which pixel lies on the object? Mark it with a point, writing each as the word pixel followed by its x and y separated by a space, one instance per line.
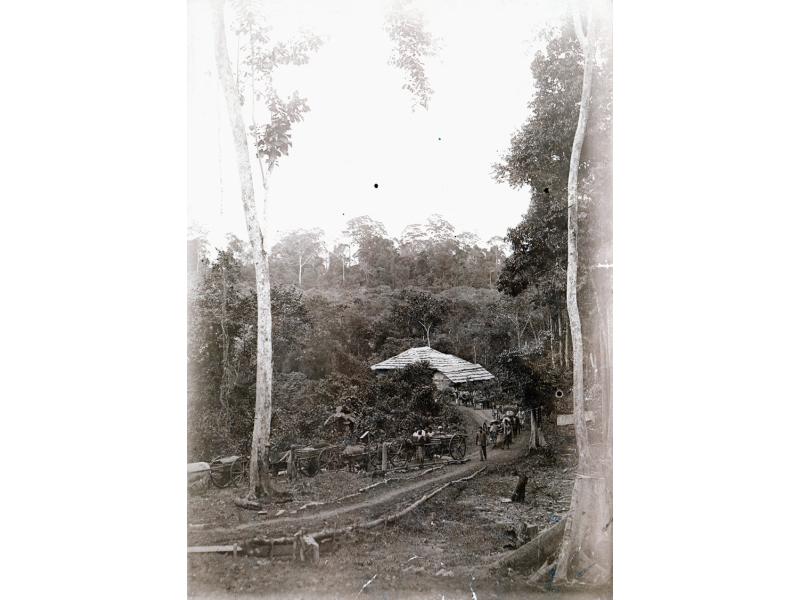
pixel 361 129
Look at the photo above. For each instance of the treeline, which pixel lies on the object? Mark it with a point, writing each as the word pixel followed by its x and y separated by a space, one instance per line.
pixel 429 255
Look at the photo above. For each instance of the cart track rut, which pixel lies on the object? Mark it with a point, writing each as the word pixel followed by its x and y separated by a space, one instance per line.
pixel 372 500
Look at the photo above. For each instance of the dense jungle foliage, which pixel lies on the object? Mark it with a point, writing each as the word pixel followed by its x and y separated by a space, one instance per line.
pixel 326 335
pixel 336 311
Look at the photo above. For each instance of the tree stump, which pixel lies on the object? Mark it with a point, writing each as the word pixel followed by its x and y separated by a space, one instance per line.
pixel 519 492
pixel 535 553
pixel 310 549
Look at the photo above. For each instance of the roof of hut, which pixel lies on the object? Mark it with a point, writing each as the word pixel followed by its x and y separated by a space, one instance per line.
pixel 455 369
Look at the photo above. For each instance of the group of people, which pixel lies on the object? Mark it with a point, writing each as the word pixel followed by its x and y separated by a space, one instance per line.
pixel 490 432
pixel 421 437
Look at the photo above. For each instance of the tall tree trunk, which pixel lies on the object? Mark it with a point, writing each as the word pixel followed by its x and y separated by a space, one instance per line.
pixel 588 520
pixel 609 380
pixel 603 367
pixel 532 440
pixel 560 345
pixel 428 334
pixel 566 348
pixel 259 454
pixel 224 385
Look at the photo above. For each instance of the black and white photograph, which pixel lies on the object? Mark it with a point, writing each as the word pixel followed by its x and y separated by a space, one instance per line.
pixel 399 299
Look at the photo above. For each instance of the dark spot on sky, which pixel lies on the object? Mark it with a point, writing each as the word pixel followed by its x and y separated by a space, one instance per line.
pixel 376 186
pixel 546 190
pixel 440 139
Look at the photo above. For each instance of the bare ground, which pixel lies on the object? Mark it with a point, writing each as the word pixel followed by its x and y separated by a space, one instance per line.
pixel 436 551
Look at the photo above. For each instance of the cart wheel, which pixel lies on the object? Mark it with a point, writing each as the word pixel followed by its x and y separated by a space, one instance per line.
pixel 375 460
pixel 398 454
pixel 220 476
pixel 458 447
pixel 327 459
pixel 238 471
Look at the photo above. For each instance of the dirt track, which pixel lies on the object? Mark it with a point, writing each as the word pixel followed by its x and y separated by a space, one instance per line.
pixel 367 505
pixel 440 549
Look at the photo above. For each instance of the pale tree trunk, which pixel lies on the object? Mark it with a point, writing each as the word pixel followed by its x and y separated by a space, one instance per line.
pixel 608 378
pixel 560 345
pixel 300 271
pixel 224 384
pixel 532 440
pixel 604 364
pixel 223 401
pixel 427 333
pixel 259 454
pixel 586 536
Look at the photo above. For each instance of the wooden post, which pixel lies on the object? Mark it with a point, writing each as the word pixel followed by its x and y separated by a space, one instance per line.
pixel 311 545
pixel 385 456
pixel 291 471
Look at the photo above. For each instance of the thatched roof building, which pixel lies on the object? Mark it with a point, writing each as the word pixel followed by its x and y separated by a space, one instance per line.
pixel 450 370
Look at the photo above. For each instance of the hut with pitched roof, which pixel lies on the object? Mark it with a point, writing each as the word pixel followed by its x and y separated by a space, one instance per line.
pixel 450 372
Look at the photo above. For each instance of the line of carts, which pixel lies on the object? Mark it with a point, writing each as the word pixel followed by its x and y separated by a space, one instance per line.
pixel 232 470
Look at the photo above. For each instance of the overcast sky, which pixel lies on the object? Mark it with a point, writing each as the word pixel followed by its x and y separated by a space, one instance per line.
pixel 361 130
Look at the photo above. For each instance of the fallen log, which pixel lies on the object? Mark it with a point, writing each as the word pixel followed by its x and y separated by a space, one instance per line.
pixel 277 498
pixel 535 553
pixel 234 548
pixel 369 487
pixel 364 489
pixel 426 471
pixel 309 505
pixel 248 504
pixel 326 533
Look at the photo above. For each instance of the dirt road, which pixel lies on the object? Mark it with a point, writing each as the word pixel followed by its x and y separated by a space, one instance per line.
pixel 371 503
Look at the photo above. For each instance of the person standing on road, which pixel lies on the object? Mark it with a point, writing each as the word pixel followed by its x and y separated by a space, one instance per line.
pixel 480 440
pixel 420 437
pixel 508 436
pixel 493 434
